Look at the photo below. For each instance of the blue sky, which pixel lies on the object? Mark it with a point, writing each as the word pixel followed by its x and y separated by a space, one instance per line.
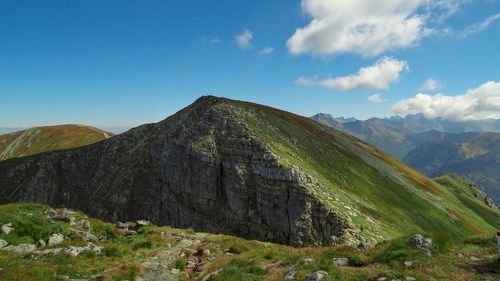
pixel 128 62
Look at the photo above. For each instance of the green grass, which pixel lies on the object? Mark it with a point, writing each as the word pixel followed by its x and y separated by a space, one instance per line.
pixel 240 259
pixel 48 138
pixel 362 178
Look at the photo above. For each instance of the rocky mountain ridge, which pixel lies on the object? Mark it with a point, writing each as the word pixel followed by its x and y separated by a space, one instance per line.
pixel 233 167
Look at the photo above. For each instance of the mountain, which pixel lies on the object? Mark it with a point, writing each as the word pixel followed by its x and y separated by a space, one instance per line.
pixel 234 167
pixel 398 136
pixel 473 155
pixel 48 138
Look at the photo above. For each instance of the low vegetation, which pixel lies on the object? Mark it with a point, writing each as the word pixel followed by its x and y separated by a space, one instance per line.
pixel 127 257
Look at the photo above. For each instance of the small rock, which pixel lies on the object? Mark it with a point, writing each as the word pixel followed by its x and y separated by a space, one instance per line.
pixel 141 223
pixel 411 278
pixel 308 261
pixel 382 279
pixel 3 243
pixel 291 271
pixel 473 258
pixel 341 261
pixel 175 271
pixel 42 243
pixel 55 239
pixel 205 253
pixel 190 264
pixel 76 251
pixel 421 243
pixel 85 224
pixel 408 264
pixel 316 276
pixel 7 228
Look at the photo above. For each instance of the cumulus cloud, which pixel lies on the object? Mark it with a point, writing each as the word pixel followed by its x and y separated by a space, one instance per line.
pixel 430 85
pixel 244 39
pixel 476 104
pixel 376 98
pixel 267 51
pixel 368 28
pixel 376 76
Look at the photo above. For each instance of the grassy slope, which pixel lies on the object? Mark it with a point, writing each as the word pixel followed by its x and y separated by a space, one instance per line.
pixel 240 259
pixel 43 139
pixel 382 206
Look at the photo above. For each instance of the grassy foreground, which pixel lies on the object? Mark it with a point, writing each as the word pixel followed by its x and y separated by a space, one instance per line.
pixel 186 255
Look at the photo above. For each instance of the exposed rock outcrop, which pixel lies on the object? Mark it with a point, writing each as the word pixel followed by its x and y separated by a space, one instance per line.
pixel 200 169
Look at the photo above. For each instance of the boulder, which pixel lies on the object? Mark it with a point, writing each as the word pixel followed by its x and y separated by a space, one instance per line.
pixel 20 249
pixel 421 243
pixel 3 243
pixel 316 276
pixel 41 243
pixel 85 235
pixel 341 261
pixel 55 239
pixel 64 216
pixel 7 228
pixel 141 223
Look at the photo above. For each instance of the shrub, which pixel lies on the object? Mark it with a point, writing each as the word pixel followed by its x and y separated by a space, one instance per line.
pixel 180 264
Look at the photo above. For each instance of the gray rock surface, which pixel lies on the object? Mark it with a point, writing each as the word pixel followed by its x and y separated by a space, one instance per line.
pixel 7 228
pixel 3 243
pixel 421 243
pixel 55 239
pixel 200 169
pixel 316 276
pixel 341 261
pixel 20 249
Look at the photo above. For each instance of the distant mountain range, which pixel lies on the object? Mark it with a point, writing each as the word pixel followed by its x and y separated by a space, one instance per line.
pixel 434 146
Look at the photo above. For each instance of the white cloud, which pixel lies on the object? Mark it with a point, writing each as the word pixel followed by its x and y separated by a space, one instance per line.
pixel 376 98
pixel 368 28
pixel 267 51
pixel 478 27
pixel 304 81
pixel 244 40
pixel 377 76
pixel 476 104
pixel 430 85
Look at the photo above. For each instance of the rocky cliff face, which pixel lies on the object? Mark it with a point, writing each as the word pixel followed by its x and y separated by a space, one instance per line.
pixel 199 169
